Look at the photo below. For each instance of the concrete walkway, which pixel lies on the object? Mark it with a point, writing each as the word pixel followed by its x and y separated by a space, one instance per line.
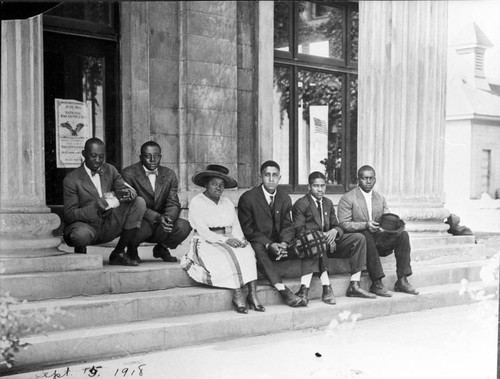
pixel 452 342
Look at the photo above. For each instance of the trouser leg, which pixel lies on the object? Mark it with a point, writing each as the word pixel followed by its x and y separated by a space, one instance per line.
pixel 80 235
pixel 264 264
pixel 352 246
pixel 373 263
pixel 171 240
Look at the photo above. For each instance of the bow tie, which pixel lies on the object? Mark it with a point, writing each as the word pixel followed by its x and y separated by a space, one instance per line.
pixel 98 171
pixel 155 172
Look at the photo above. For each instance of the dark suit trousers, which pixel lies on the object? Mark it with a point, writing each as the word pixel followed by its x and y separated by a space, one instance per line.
pixel 265 264
pixel 382 244
pixel 114 221
pixel 352 246
pixel 156 234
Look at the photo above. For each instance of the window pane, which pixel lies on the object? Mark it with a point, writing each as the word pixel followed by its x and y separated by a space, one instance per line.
pixel 282 26
pixel 97 12
pixel 320 125
pixel 353 123
pixel 354 32
pixel 281 121
pixel 320 30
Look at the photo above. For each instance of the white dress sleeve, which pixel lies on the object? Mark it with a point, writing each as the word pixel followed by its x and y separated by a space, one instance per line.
pixel 199 214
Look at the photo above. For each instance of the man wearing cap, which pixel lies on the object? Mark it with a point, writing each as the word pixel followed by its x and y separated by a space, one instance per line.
pixel 265 217
pixel 365 210
pixel 99 206
pixel 157 185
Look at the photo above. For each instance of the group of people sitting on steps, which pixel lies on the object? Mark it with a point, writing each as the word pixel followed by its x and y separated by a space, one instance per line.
pixel 227 247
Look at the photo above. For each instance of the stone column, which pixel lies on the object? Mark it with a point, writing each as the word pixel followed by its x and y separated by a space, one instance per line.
pixel 26 223
pixel 402 82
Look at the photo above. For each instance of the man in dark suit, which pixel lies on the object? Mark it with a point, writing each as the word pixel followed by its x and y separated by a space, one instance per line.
pixel 264 214
pixel 99 206
pixel 316 212
pixel 361 210
pixel 158 186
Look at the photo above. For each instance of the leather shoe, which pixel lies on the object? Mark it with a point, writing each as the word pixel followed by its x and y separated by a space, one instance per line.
pixel 122 259
pixel 133 254
pixel 303 292
pixel 81 250
pixel 402 285
pixel 379 289
pixel 162 252
pixel 291 299
pixel 239 302
pixel 328 297
pixel 354 290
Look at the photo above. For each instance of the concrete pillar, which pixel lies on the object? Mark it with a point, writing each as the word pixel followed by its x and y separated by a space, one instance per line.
pixel 26 223
pixel 402 82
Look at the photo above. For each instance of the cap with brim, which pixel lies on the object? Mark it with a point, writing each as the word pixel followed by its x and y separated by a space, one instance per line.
pixel 391 223
pixel 217 171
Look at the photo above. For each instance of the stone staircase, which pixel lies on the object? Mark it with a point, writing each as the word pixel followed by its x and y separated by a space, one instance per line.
pixel 114 311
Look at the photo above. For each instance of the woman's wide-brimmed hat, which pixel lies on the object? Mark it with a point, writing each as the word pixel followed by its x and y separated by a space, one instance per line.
pixel 217 171
pixel 391 223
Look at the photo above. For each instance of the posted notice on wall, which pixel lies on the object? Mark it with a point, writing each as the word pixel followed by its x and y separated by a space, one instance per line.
pixel 73 128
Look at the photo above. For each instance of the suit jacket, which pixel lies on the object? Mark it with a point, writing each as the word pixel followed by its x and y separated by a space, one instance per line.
pixel 353 211
pixel 306 216
pixel 256 219
pixel 80 195
pixel 164 199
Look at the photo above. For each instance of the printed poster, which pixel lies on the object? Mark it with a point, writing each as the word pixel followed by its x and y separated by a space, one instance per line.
pixel 73 128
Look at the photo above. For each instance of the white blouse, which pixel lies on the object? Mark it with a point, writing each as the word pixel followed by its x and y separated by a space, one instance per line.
pixel 205 214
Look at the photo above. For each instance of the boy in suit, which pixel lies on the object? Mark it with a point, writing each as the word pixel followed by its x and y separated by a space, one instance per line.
pixel 360 210
pixel 264 214
pixel 99 206
pixel 158 186
pixel 316 212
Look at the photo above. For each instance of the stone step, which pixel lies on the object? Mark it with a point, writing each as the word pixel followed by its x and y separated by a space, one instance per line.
pixel 56 263
pixel 89 311
pixel 100 342
pixel 419 240
pixel 154 274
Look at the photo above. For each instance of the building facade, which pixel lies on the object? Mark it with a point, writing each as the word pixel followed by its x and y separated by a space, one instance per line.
pixel 315 86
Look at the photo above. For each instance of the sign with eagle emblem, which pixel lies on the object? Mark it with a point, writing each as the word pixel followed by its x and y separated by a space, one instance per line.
pixel 73 128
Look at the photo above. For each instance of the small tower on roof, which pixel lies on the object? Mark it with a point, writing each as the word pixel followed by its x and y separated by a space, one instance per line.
pixel 470 45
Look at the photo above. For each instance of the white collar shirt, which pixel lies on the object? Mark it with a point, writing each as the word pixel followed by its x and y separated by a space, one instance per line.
pixel 268 195
pixel 96 179
pixel 152 178
pixel 368 199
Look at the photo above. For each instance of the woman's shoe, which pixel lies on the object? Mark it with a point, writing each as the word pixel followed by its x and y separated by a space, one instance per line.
pixel 252 299
pixel 238 301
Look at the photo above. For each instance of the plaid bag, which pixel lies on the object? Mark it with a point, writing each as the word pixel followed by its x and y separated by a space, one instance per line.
pixel 309 244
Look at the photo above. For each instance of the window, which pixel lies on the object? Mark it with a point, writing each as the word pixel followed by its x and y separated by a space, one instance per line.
pixel 315 92
pixel 485 171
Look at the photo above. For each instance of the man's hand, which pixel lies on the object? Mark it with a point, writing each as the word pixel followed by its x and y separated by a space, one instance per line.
pixel 125 195
pixel 165 222
pixel 235 242
pixel 330 236
pixel 372 226
pixel 102 204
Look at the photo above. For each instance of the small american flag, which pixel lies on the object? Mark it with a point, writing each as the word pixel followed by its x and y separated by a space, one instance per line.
pixel 320 126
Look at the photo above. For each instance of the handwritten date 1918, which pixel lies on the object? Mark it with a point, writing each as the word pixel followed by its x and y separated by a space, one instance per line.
pixel 127 372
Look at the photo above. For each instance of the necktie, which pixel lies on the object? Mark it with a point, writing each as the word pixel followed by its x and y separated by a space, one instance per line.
pixel 320 213
pixel 271 204
pixel 155 173
pixel 98 171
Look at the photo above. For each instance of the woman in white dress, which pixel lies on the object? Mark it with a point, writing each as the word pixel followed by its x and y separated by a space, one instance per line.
pixel 219 254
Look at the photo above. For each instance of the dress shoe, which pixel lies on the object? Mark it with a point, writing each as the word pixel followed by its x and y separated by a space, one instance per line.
pixel 402 285
pixel 354 290
pixel 291 299
pixel 122 259
pixel 328 297
pixel 379 289
pixel 162 252
pixel 81 250
pixel 252 299
pixel 238 301
pixel 133 254
pixel 303 292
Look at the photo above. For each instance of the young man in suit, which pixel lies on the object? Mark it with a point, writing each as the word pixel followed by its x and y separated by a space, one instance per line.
pixel 316 212
pixel 264 214
pixel 99 206
pixel 158 186
pixel 360 210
